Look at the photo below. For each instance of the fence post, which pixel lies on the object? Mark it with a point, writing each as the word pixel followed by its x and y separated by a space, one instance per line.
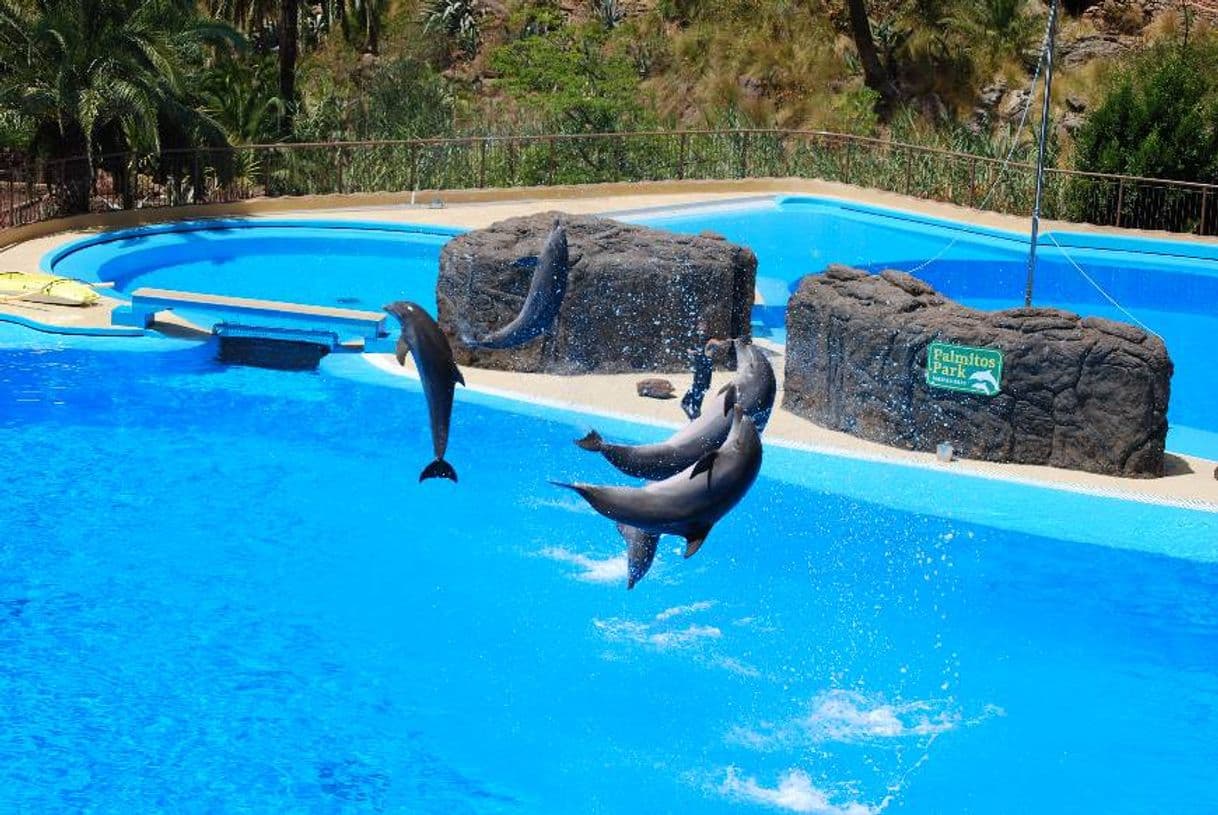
pixel 550 164
pixel 972 182
pixel 414 166
pixel 908 168
pixel 482 164
pixel 1205 200
pixel 744 154
pixel 681 152
pixel 510 181
pixel 1120 200
pixel 848 177
pixel 266 172
pixel 338 169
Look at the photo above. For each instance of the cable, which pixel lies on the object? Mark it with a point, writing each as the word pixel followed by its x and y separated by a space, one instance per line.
pixel 1023 118
pixel 1002 171
pixel 1100 288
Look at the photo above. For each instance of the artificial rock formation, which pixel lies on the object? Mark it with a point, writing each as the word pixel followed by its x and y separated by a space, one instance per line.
pixel 1081 393
pixel 634 297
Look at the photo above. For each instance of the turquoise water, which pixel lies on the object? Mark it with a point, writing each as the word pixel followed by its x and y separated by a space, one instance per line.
pixel 1169 286
pixel 334 263
pixel 222 589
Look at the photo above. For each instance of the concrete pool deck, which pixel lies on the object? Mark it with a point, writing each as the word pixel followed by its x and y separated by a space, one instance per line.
pixel 1190 480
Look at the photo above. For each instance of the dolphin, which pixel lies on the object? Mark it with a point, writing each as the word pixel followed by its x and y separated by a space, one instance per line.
pixel 984 382
pixel 542 303
pixel 433 358
pixel 753 388
pixel 689 503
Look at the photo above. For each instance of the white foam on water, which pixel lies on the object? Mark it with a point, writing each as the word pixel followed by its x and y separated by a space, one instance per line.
pixel 733 665
pixel 594 570
pixel 852 717
pixel 683 638
pixel 844 715
pixel 692 608
pixel 794 792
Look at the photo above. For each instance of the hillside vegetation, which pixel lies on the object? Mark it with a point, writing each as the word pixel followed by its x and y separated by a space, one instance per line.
pixel 1135 87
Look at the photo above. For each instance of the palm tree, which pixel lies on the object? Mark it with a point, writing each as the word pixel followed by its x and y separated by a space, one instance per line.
pixel 289 17
pixel 98 77
pixel 874 74
pixel 367 16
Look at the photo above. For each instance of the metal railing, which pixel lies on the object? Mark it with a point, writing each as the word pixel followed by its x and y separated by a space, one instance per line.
pixel 44 190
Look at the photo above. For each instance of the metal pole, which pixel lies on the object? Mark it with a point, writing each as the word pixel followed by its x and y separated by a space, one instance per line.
pixel 1040 156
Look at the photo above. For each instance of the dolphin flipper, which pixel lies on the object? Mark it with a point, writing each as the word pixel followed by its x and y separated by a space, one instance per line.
pixel 439 469
pixel 730 396
pixel 706 464
pixel 695 537
pixel 640 552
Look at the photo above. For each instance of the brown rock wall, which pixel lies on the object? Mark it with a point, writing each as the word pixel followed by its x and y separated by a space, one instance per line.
pixel 1078 393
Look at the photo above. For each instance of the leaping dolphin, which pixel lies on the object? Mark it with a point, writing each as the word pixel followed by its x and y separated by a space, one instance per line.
pixel 753 388
pixel 543 301
pixel 433 358
pixel 692 501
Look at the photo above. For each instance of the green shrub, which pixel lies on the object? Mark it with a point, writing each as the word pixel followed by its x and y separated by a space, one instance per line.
pixel 578 84
pixel 1159 119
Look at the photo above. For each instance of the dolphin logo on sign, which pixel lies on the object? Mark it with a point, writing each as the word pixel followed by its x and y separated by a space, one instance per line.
pixel 984 382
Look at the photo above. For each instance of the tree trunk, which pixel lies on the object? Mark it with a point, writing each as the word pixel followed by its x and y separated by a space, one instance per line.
pixel 874 74
pixel 289 12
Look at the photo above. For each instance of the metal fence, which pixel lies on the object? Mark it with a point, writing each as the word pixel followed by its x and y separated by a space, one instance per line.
pixel 49 189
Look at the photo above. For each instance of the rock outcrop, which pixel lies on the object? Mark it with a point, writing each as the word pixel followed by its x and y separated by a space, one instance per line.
pixel 634 297
pixel 1080 393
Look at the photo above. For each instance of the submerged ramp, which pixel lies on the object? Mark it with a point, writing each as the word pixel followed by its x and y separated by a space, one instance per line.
pixel 214 310
pixel 266 333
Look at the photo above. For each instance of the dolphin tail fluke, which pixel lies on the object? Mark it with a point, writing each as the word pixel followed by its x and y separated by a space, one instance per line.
pixel 438 469
pixel 695 538
pixel 592 442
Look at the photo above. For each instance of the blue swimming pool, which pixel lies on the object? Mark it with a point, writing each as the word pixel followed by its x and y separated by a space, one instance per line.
pixel 222 589
pixel 1170 286
pixel 359 265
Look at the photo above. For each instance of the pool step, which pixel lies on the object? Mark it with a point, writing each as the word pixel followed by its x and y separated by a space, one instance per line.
pixel 286 349
pixel 211 310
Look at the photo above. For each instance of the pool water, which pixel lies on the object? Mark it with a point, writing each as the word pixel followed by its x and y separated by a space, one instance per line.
pixel 223 589
pixel 1169 286
pixel 336 263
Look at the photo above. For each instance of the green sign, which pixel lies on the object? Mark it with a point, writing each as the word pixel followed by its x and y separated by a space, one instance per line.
pixel 962 368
